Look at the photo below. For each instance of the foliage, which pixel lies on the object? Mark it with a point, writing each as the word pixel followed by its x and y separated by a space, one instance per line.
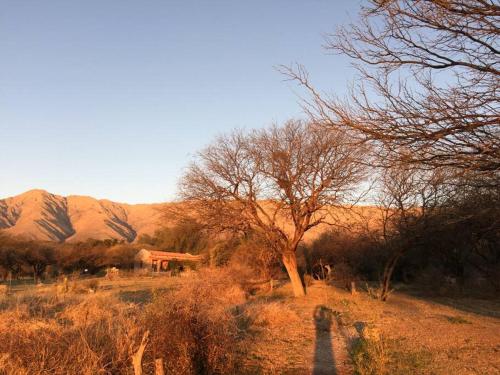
pixel 73 335
pixel 369 357
pixel 19 257
pixel 184 237
pixel 252 252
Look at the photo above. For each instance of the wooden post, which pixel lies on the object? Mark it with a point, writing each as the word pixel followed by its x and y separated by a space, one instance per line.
pixel 159 366
pixel 353 288
pixel 137 356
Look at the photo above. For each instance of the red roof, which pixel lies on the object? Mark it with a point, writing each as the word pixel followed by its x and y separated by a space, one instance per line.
pixel 173 256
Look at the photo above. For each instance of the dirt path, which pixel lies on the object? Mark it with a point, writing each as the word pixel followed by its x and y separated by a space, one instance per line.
pixel 421 336
pixel 330 354
pixel 310 344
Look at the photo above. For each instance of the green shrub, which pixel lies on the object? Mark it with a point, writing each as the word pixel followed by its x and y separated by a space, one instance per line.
pixel 457 320
pixel 369 357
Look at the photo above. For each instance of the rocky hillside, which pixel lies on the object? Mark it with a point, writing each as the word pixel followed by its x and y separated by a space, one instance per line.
pixel 40 215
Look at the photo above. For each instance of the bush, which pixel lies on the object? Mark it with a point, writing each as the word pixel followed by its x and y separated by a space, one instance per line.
pixel 184 236
pixel 369 357
pixel 354 254
pixel 253 252
pixel 195 329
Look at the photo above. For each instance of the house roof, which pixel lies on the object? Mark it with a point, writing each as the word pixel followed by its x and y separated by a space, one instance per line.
pixel 165 255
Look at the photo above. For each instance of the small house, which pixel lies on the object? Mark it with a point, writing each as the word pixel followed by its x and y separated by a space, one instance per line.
pixel 157 261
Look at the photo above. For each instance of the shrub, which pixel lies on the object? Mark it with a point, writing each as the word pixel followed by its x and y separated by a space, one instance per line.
pixel 369 356
pixel 343 274
pixel 195 329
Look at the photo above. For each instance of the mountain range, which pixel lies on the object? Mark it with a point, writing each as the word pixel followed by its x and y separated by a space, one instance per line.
pixel 40 215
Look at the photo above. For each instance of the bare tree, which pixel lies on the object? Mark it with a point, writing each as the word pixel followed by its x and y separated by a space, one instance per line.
pixel 279 181
pixel 429 82
pixel 407 197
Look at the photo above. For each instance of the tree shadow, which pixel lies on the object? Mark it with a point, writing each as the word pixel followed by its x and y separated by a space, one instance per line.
pixel 489 307
pixel 324 361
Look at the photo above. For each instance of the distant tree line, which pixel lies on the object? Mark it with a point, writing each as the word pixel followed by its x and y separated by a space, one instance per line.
pixel 21 257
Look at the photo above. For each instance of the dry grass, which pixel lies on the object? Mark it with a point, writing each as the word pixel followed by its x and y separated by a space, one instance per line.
pixel 82 328
pixel 210 324
pixel 419 336
pixel 272 315
pixel 41 334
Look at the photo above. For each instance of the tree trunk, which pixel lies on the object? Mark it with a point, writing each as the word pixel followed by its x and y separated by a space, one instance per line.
pixel 290 262
pixel 39 270
pixel 386 278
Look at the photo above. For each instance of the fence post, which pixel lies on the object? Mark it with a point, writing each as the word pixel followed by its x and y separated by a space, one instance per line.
pixel 159 366
pixel 353 288
pixel 137 356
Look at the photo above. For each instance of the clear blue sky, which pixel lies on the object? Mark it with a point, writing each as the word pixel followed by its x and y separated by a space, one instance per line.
pixel 111 98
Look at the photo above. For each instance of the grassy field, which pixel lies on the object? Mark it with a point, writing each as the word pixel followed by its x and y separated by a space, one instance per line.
pixel 210 323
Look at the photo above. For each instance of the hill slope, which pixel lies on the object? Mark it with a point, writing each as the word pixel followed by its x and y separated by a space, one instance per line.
pixel 40 215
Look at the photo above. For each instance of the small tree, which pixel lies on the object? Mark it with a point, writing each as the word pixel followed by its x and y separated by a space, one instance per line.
pixel 37 256
pixel 10 259
pixel 407 197
pixel 279 181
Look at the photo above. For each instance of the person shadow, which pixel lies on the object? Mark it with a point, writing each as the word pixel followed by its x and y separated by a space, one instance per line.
pixel 324 361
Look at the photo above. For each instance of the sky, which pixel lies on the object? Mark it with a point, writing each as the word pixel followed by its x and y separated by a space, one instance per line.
pixel 112 98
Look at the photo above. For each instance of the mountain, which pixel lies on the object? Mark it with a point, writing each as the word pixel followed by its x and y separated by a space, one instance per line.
pixel 40 215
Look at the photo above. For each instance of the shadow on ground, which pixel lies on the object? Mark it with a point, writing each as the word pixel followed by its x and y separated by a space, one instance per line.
pixel 136 296
pixel 489 307
pixel 324 360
